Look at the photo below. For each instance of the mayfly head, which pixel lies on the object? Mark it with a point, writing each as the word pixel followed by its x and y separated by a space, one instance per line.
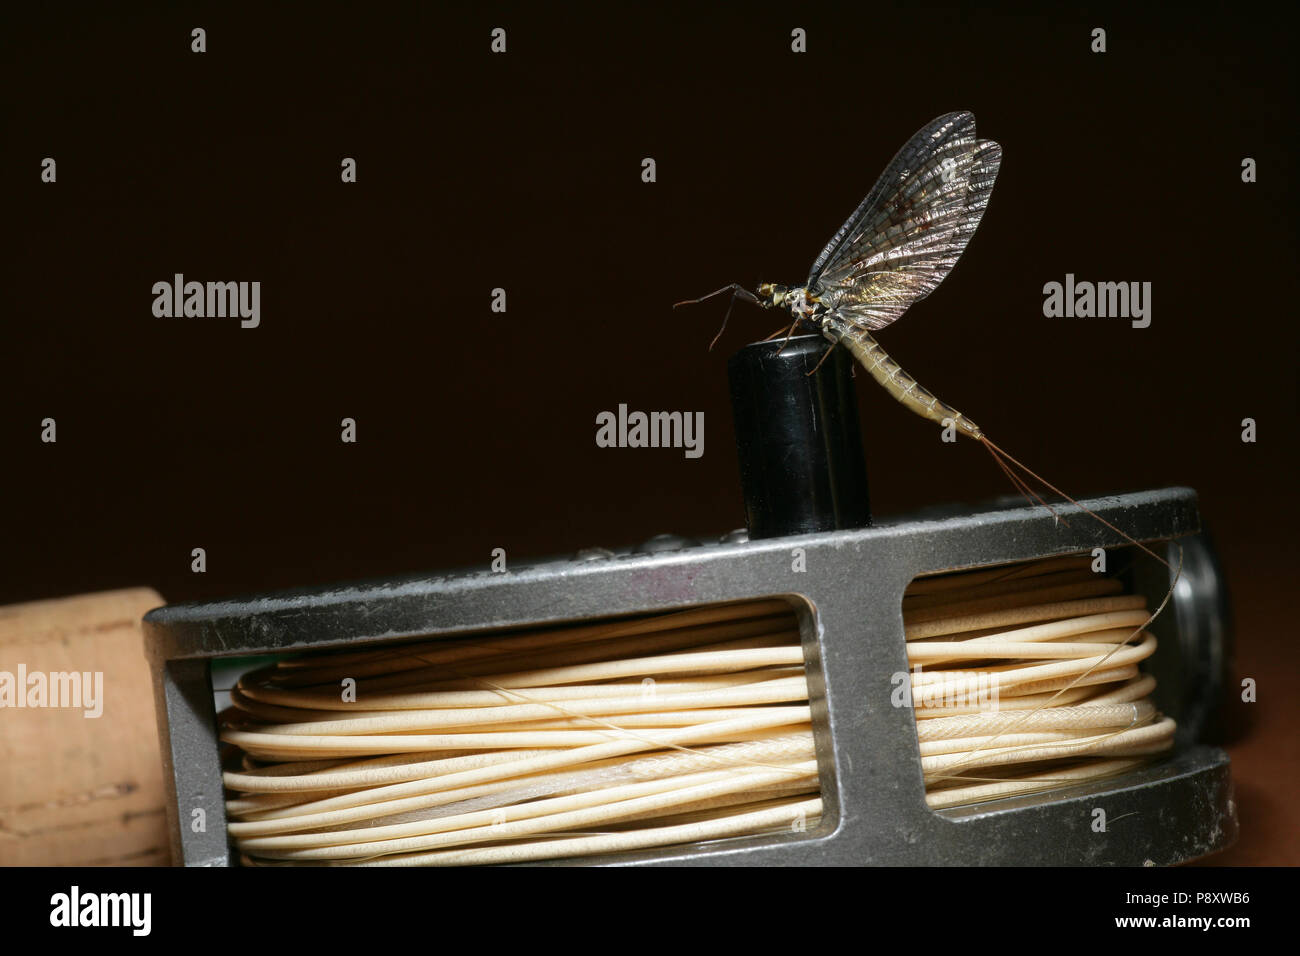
pixel 771 296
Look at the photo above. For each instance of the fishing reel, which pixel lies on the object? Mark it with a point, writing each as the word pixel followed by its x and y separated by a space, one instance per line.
pixel 847 581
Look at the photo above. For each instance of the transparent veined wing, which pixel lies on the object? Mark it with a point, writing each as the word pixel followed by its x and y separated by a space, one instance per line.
pixel 913 226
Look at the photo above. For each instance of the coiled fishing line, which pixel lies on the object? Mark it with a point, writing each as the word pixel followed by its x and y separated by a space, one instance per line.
pixel 567 741
pixel 1026 678
pixel 676 728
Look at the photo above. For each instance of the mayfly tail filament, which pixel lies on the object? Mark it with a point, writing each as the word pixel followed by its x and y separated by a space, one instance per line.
pixel 1001 455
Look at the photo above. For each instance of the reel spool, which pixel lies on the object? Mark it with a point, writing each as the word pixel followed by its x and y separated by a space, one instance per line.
pixel 889 784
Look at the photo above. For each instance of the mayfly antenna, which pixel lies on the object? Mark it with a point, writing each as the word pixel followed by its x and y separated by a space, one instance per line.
pixel 736 289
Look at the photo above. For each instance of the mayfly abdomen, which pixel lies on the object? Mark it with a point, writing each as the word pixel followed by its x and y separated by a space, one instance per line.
pixel 898 383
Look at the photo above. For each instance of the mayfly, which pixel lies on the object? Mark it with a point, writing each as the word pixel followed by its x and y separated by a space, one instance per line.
pixel 897 247
pixel 899 244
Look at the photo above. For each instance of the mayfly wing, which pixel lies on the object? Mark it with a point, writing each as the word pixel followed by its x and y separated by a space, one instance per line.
pixel 913 226
pixel 907 161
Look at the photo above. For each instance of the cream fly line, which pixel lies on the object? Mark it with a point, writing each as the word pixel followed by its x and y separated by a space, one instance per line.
pixel 676 728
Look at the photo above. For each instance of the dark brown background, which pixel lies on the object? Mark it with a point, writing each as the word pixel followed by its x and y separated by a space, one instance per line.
pixel 523 171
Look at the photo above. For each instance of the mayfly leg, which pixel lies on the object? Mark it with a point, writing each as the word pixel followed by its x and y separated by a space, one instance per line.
pixel 736 290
